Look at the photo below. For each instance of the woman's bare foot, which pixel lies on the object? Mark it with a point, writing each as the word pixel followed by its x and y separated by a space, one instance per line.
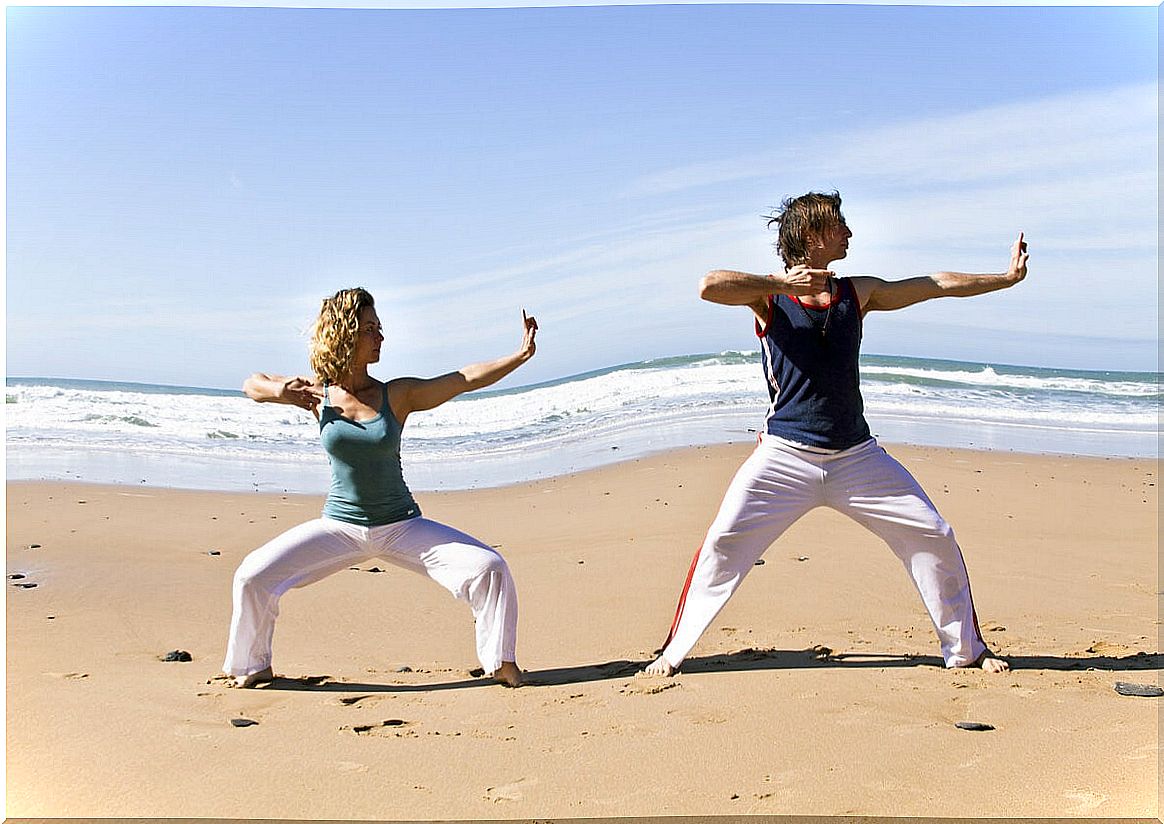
pixel 508 674
pixel 263 676
pixel 659 667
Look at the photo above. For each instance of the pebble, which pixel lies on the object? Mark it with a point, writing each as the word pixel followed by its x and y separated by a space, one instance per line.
pixel 973 726
pixel 243 722
pixel 214 552
pixel 177 655
pixel 1138 690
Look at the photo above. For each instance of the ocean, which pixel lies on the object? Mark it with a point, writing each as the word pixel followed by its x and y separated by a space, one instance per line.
pixel 176 436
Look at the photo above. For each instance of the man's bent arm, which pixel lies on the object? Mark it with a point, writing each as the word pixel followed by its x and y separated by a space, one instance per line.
pixel 741 289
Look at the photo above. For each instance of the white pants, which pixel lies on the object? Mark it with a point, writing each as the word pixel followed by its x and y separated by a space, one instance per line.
pixel 310 552
pixel 778 484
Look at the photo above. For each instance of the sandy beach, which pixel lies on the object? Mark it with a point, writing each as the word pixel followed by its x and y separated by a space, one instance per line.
pixel 818 691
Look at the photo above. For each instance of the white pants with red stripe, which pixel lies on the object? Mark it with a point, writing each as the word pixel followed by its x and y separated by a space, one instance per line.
pixel 778 484
pixel 310 552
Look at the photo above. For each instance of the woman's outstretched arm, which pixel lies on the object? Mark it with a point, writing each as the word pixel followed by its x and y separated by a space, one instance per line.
pixel 417 394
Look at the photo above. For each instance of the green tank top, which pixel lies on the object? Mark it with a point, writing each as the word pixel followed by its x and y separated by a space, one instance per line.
pixel 367 483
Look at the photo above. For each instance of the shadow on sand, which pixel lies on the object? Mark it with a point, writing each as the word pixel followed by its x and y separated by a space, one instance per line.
pixel 741 661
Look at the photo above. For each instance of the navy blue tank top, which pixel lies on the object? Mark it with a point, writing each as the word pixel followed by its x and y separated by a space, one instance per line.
pixel 367 483
pixel 810 363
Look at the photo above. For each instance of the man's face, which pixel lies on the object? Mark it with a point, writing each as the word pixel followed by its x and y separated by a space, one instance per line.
pixel 833 242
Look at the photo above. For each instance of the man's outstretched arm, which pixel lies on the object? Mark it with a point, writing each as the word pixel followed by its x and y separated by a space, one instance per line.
pixel 876 294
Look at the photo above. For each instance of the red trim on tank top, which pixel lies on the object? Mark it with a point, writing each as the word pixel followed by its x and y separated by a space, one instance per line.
pixel 771 310
pixel 833 299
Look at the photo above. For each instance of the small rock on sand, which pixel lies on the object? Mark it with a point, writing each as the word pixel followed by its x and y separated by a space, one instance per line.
pixel 243 722
pixel 177 655
pixel 973 726
pixel 1138 690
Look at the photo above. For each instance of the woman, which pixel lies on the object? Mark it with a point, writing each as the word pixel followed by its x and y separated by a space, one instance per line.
pixel 369 511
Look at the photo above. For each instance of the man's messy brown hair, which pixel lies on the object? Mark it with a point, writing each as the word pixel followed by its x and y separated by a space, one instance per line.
pixel 798 217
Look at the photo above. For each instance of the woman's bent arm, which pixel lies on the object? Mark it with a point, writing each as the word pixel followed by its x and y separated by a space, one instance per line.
pixel 296 391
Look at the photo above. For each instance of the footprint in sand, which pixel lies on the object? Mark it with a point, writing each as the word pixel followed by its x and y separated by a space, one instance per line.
pixel 510 792
pixel 1086 800
pixel 349 700
pixel 1143 753
pixel 645 688
pixel 375 727
pixel 191 733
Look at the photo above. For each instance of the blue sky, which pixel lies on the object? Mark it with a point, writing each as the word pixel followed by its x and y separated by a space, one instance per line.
pixel 185 184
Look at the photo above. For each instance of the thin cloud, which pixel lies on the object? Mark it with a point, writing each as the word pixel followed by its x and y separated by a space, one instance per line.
pixel 623 249
pixel 1111 129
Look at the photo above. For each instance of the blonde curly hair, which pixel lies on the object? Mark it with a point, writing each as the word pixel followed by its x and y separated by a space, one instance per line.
pixel 333 337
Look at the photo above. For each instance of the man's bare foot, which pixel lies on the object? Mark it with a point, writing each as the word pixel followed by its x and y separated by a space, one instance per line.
pixel 991 664
pixel 988 663
pixel 508 674
pixel 659 666
pixel 263 676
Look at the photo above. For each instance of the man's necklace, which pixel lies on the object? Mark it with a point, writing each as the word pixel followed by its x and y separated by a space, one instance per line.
pixel 824 328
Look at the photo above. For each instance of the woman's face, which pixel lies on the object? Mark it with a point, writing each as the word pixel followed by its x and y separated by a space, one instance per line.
pixel 369 336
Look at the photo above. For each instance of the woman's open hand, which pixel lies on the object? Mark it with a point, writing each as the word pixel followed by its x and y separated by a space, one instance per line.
pixel 1018 260
pixel 301 392
pixel 528 343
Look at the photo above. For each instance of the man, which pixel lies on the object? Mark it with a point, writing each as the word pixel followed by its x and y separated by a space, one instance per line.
pixel 816 449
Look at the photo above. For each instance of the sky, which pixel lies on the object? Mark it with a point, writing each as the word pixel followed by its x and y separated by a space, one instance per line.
pixel 185 184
